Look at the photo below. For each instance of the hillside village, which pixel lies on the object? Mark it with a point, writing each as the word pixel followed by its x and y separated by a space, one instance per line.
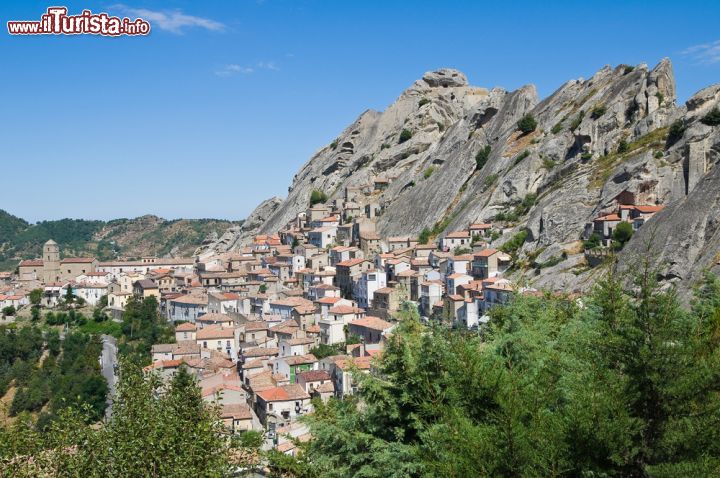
pixel 294 315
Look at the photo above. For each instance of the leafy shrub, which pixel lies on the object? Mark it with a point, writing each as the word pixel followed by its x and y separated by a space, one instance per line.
pixel 514 244
pixel 628 69
pixel 622 234
pixel 405 135
pixel 384 146
pixel 548 163
pixel 598 111
pixel 481 157
pixel 623 146
pixel 677 130
pixel 592 242
pixel 586 156
pixel 490 180
pixel 317 197
pixel 658 154
pixel 424 236
pixel 428 172
pixel 660 98
pixel 527 124
pixel 423 102
pixel 334 144
pixel 520 157
pixel 557 128
pixel 712 118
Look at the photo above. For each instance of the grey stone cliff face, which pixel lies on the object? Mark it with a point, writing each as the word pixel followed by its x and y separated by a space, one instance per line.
pixel 595 138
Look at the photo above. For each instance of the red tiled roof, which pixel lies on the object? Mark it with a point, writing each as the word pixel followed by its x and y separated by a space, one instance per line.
pixel 609 217
pixel 457 235
pixel 350 262
pixel 370 322
pixel 485 253
pixel 283 393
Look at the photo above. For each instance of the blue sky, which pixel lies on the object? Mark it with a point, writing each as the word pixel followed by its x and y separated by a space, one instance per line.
pixel 226 99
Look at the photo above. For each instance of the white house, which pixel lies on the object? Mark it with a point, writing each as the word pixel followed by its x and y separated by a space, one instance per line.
pixel 278 405
pixel 365 286
pixel 455 239
pixel 322 237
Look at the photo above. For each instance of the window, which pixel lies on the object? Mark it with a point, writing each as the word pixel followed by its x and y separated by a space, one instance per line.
pixel 205 344
pixel 269 406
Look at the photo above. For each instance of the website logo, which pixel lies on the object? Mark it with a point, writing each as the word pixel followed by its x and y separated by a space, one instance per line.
pixel 57 22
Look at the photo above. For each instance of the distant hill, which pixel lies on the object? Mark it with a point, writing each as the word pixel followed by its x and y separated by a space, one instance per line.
pixel 126 238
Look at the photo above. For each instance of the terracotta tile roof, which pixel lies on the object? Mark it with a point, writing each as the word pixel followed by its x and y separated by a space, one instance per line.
pixel 370 322
pixel 186 327
pixel 485 253
pixel 480 225
pixel 351 262
pixel 327 387
pixel 31 263
pixel 457 275
pixel 345 309
pixel 299 341
pixel 261 352
pixel 214 317
pixel 463 257
pixel 215 332
pixel 458 235
pixel 284 393
pixel 328 300
pixel 163 364
pixel 191 299
pixel 609 217
pixel 298 359
pixel 385 290
pixel 77 260
pixel 255 326
pixel 313 376
pixel 239 411
pixel 362 363
pixel 292 302
pixel 648 209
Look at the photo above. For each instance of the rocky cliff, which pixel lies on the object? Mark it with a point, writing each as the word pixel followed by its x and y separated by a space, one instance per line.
pixel 454 154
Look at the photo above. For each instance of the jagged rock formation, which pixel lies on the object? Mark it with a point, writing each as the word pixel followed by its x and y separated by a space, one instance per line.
pixel 683 240
pixel 594 138
pixel 235 236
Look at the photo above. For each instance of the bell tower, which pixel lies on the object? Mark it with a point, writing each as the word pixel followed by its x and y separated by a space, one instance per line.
pixel 51 262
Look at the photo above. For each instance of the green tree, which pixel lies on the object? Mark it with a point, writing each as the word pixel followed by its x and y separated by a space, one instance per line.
pixel 712 118
pixel 622 234
pixel 69 296
pixel 481 157
pixel 527 124
pixel 424 236
pixel 317 197
pixel 405 135
pixel 170 434
pixel 36 296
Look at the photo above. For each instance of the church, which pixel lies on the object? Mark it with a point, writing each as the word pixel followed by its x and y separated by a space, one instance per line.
pixel 51 269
